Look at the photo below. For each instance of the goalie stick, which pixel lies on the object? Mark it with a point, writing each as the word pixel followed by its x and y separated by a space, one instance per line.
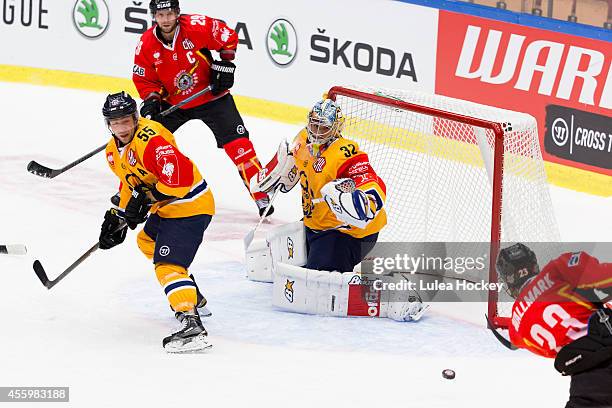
pixel 248 238
pixel 43 171
pixel 15 249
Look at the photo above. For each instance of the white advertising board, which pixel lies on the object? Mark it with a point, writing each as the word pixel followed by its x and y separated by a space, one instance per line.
pixel 326 42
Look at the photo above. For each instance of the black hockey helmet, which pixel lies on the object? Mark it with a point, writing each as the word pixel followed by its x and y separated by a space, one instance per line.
pixel 515 266
pixel 118 105
pixel 156 5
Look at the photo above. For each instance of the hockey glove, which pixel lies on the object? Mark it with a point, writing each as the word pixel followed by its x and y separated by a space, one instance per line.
pixel 221 76
pixel 349 205
pixel 137 209
pixel 281 172
pixel 151 108
pixel 112 233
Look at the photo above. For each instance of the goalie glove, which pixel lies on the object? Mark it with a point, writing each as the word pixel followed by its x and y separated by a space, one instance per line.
pixel 281 172
pixel 349 204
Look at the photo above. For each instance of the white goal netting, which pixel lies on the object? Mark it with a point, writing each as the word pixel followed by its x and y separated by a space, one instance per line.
pixel 439 167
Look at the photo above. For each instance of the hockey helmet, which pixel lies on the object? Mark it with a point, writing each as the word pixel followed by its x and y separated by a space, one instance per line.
pixel 118 105
pixel 516 265
pixel 157 5
pixel 325 122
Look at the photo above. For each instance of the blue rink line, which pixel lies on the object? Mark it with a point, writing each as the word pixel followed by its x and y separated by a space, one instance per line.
pixel 544 23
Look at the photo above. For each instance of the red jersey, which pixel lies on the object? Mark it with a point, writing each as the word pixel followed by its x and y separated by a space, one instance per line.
pixel 548 313
pixel 180 69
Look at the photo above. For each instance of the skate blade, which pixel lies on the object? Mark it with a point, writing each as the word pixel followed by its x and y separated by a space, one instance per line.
pixel 204 311
pixel 196 345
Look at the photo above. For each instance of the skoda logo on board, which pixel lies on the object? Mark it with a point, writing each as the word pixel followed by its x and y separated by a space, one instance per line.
pixel 281 42
pixel 91 18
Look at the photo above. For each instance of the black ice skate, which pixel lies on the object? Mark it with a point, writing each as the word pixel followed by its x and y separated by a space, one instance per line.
pixel 191 337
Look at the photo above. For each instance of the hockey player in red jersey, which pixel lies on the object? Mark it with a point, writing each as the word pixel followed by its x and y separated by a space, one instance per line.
pixel 560 312
pixel 173 60
pixel 165 190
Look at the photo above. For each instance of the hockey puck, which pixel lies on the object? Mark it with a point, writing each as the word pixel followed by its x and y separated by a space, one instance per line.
pixel 448 374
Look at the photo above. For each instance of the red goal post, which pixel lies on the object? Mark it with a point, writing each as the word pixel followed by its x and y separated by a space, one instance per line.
pixel 449 143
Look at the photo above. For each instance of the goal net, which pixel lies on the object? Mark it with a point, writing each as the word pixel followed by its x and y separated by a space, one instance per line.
pixel 455 171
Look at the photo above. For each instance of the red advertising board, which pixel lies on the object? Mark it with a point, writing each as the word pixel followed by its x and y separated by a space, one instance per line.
pixel 564 81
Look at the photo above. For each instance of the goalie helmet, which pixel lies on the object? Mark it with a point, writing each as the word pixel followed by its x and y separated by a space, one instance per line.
pixel 156 5
pixel 515 266
pixel 325 122
pixel 118 105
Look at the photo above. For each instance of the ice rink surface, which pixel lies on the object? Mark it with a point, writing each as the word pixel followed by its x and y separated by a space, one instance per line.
pixel 99 331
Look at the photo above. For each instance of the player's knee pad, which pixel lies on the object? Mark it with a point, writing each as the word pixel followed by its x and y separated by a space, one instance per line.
pixel 178 286
pixel 146 244
pixel 285 243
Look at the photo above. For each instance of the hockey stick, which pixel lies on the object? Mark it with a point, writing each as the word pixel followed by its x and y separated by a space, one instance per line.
pixel 43 171
pixel 248 238
pixel 15 249
pixel 42 275
pixel 504 341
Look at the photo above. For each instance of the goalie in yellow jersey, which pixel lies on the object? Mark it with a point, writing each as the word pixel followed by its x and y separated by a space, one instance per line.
pixel 162 188
pixel 343 203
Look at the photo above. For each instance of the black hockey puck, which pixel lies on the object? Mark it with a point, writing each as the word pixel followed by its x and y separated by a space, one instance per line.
pixel 448 374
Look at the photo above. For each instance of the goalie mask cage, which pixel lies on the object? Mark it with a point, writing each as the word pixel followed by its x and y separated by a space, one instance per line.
pixel 455 171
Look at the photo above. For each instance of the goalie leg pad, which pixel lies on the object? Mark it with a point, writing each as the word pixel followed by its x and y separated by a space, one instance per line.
pixel 288 244
pixel 285 243
pixel 303 290
pixel 178 286
pixel 259 261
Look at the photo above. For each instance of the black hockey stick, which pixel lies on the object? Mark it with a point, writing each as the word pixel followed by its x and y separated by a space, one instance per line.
pixel 14 249
pixel 504 341
pixel 46 172
pixel 43 171
pixel 42 275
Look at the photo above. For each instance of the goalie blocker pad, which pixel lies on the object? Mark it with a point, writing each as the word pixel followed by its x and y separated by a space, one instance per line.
pixel 301 290
pixel 285 243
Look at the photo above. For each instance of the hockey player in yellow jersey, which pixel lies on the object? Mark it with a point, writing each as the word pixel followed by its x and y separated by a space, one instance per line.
pixel 342 197
pixel 165 190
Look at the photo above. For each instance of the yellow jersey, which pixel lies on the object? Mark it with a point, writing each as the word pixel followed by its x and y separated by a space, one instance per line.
pixel 340 159
pixel 153 159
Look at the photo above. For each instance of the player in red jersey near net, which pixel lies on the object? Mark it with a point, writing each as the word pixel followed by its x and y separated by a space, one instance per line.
pixel 173 61
pixel 561 312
